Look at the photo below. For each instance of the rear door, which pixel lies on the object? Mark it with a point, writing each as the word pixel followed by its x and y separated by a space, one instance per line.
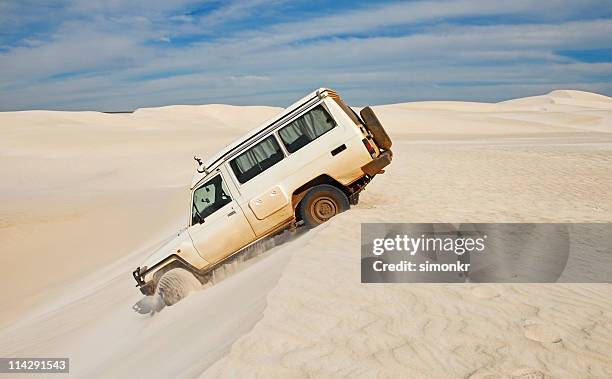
pixel 219 227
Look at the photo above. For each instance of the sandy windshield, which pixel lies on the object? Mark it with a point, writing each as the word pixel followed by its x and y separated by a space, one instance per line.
pixel 209 198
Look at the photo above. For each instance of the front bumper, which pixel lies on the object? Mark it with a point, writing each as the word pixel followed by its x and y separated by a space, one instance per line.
pixel 147 289
pixel 378 163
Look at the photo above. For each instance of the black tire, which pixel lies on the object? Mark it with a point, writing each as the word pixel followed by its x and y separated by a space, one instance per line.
pixel 175 285
pixel 321 203
pixel 375 127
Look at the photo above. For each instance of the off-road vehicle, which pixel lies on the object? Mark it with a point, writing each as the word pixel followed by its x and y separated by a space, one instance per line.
pixel 304 166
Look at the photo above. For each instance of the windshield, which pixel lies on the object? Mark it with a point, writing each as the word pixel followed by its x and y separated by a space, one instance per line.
pixel 208 198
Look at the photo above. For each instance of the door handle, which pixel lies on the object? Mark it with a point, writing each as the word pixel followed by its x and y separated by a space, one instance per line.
pixel 231 213
pixel 338 150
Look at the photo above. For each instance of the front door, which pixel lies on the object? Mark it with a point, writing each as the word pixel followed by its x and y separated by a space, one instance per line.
pixel 218 227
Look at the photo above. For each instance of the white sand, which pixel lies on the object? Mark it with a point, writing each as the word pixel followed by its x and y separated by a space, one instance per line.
pixel 84 195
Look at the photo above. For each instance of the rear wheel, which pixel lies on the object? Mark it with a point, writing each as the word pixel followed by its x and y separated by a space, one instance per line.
pixel 375 127
pixel 322 203
pixel 175 285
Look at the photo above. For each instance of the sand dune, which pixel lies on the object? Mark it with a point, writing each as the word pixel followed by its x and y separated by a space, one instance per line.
pixel 82 189
pixel 86 195
pixel 558 171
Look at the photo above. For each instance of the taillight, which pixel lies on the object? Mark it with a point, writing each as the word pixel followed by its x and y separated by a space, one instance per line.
pixel 369 146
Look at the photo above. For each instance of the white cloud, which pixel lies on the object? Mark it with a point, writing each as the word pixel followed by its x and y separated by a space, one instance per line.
pixel 118 67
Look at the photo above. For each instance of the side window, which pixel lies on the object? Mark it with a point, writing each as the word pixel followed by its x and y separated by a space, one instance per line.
pixel 257 159
pixel 209 198
pixel 306 129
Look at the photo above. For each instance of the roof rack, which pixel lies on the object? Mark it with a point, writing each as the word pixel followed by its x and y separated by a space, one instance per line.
pixel 319 94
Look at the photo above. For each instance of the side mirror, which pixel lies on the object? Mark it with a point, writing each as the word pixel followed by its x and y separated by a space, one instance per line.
pixel 196 215
pixel 200 218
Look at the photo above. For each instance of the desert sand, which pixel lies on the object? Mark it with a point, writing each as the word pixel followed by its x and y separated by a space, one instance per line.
pixel 86 196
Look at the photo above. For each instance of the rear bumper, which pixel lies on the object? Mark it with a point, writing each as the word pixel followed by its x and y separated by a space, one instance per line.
pixel 380 162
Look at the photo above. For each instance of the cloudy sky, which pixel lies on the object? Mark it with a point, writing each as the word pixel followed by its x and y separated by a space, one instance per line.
pixel 119 55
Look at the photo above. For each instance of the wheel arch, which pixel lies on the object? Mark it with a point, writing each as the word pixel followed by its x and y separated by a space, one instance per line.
pixel 171 262
pixel 300 192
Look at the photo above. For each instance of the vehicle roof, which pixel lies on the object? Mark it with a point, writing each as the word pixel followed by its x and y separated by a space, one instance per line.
pixel 216 160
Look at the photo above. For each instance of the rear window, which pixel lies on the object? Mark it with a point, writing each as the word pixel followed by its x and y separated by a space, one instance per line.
pixel 257 159
pixel 349 111
pixel 306 129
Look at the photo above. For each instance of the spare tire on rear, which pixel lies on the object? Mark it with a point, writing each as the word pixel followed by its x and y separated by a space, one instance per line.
pixel 375 127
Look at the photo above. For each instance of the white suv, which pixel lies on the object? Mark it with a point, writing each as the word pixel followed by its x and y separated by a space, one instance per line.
pixel 306 165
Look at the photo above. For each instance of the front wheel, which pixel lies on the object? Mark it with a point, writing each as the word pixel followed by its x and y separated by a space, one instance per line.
pixel 322 203
pixel 175 285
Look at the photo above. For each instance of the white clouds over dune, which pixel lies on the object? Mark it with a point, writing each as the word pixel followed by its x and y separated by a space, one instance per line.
pixel 122 55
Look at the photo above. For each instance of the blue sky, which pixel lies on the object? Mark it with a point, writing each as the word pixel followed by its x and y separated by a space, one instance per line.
pixel 118 55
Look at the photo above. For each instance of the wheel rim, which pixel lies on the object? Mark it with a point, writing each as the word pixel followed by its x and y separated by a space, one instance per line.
pixel 323 208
